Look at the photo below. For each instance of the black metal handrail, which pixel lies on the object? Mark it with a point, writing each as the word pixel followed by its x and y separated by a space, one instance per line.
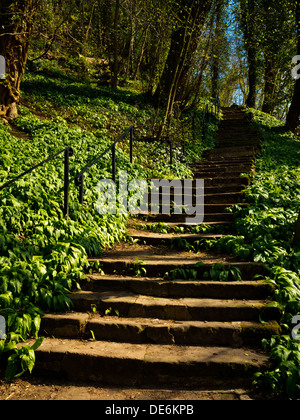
pixel 214 108
pixel 68 151
pixel 79 180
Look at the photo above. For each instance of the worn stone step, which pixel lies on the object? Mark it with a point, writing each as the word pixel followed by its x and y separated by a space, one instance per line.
pixel 222 163
pixel 220 181
pixel 234 188
pixel 238 132
pixel 221 173
pixel 219 159
pixel 217 189
pixel 188 219
pixel 185 309
pixel 220 227
pixel 158 265
pixel 227 152
pixel 212 204
pixel 233 139
pixel 127 364
pixel 76 325
pixel 178 288
pixel 169 239
pixel 243 167
pixel 187 197
pixel 220 169
pixel 228 197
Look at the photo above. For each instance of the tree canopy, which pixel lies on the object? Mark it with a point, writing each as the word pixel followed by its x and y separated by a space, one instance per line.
pixel 179 51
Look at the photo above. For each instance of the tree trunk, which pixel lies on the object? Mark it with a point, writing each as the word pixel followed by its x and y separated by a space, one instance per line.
pixel 270 86
pixel 184 42
pixel 293 116
pixel 141 54
pixel 252 77
pixel 16 20
pixel 114 80
pixel 248 23
pixel 215 68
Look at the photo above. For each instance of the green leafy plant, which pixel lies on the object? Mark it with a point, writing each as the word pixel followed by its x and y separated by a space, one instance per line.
pixel 185 273
pixel 111 312
pixel 222 272
pixel 139 269
pixel 22 360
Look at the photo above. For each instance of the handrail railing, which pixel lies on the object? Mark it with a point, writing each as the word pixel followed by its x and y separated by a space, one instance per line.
pixel 68 151
pixel 79 180
pixel 214 108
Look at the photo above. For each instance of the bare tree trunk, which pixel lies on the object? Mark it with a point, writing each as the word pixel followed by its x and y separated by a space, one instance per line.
pixel 252 78
pixel 114 80
pixel 16 20
pixel 216 56
pixel 270 86
pixel 293 116
pixel 248 23
pixel 184 42
pixel 142 53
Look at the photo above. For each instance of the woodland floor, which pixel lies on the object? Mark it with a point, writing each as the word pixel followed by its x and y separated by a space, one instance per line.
pixel 32 388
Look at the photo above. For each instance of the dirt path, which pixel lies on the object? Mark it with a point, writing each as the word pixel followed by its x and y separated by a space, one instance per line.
pixel 31 388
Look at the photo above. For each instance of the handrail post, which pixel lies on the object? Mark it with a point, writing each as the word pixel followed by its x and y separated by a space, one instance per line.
pixel 193 125
pixel 183 143
pixel 131 144
pixel 114 163
pixel 79 183
pixel 68 152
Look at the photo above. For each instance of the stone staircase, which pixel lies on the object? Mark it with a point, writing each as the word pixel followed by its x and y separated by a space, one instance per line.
pixel 135 326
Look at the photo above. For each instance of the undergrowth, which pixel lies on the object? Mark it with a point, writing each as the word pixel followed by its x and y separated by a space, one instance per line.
pixel 264 233
pixel 44 255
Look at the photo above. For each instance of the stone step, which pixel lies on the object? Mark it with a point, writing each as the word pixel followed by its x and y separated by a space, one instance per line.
pixel 238 130
pixel 220 181
pixel 227 152
pixel 211 227
pixel 171 239
pixel 131 305
pixel 212 204
pixel 187 197
pixel 218 159
pixel 222 197
pixel 237 137
pixel 209 208
pixel 184 218
pixel 236 187
pixel 158 265
pixel 223 165
pixel 234 138
pixel 76 325
pixel 226 160
pixel 232 173
pixel 158 287
pixel 217 169
pixel 127 364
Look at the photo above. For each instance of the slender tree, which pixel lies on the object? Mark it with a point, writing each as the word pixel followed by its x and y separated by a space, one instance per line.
pixel 114 80
pixel 249 26
pixel 16 22
pixel 191 15
pixel 293 116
